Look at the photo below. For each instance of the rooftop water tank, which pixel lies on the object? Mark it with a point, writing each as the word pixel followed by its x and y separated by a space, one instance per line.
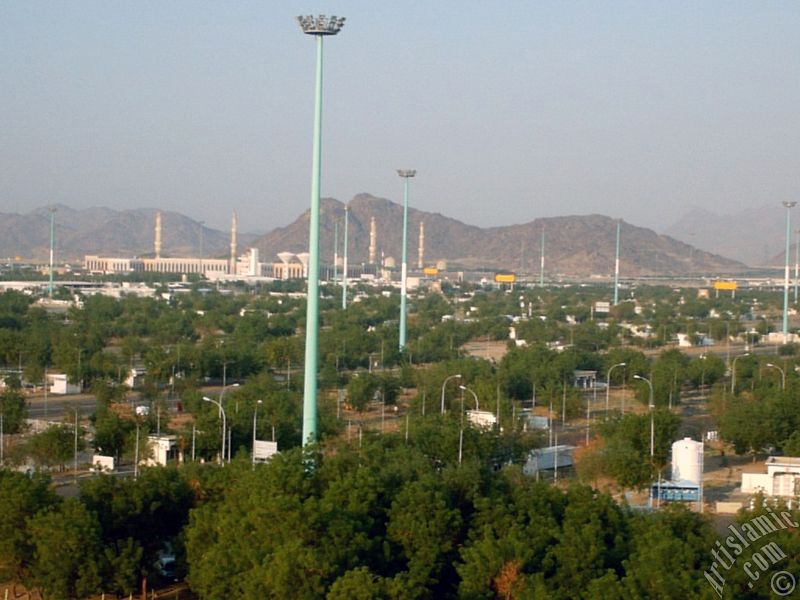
pixel 687 461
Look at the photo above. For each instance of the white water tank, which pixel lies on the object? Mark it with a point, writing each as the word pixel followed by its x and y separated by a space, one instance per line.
pixel 687 461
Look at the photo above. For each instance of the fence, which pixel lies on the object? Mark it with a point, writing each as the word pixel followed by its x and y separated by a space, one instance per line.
pixel 175 592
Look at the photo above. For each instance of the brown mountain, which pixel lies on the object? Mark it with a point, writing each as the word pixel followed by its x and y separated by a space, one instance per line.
pixel 107 232
pixel 574 245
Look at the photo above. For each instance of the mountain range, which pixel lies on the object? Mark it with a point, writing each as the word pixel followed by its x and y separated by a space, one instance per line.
pixel 580 245
pixel 574 245
pixel 109 232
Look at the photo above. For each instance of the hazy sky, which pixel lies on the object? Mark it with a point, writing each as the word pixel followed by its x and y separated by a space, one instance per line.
pixel 508 110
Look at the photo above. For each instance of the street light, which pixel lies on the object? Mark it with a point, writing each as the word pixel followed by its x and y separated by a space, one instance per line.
pixel 255 417
pixel 319 27
pixel 344 260
pixel 733 371
pixel 474 395
pixel 444 383
pixel 202 235
pixel 335 252
pixel 75 456
pixel 796 262
pixel 608 381
pixel 224 425
pixel 783 374
pixel 789 205
pixel 703 373
pixel 651 406
pixel 616 268
pixel 461 430
pixel 406 174
pixel 52 239
pixel 225 387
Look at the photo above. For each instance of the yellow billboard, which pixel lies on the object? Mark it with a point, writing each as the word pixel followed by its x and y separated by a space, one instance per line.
pixel 430 271
pixel 505 277
pixel 725 285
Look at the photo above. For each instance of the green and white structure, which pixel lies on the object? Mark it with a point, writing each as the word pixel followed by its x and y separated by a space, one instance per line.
pixel 344 259
pixel 406 174
pixel 319 26
pixel 616 268
pixel 788 205
pixel 541 263
pixel 52 248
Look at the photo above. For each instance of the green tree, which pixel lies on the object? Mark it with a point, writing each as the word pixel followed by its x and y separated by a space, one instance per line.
pixel 12 407
pixel 55 446
pixel 358 584
pixel 626 446
pixel 67 551
pixel 361 390
pixel 112 431
pixel 22 497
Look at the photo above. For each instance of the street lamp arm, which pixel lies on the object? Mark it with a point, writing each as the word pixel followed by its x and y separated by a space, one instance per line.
pixel 608 381
pixel 224 423
pixel 474 395
pixel 444 383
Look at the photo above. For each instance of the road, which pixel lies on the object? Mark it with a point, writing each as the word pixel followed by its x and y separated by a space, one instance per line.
pixel 56 407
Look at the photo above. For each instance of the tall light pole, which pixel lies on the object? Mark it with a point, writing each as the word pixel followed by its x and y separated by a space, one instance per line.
pixel 702 373
pixel 783 374
pixel 344 260
pixel 335 252
pixel 224 426
pixel 202 235
pixel 319 26
pixel 796 262
pixel 616 269
pixel 788 204
pixel 444 383
pixel 406 174
pixel 52 246
pixel 608 381
pixel 255 418
pixel 733 371
pixel 75 455
pixel 651 406
pixel 541 262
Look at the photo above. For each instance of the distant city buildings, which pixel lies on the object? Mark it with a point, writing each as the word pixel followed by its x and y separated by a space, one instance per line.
pixel 289 265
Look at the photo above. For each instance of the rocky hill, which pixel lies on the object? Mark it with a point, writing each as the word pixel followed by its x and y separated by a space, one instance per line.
pixel 574 245
pixel 108 232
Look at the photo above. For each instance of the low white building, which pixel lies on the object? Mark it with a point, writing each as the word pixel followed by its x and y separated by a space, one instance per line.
pixel 59 384
pixel 482 418
pixel 135 378
pixel 781 479
pixel 164 449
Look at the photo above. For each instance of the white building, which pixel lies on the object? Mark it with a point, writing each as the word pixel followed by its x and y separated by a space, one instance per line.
pixel 135 378
pixel 59 384
pixel 781 479
pixel 164 449
pixel 482 418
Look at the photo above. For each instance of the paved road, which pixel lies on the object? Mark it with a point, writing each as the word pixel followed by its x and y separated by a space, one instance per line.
pixel 55 407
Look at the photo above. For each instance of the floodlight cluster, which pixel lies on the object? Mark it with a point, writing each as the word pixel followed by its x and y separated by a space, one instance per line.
pixel 321 24
pixel 406 172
